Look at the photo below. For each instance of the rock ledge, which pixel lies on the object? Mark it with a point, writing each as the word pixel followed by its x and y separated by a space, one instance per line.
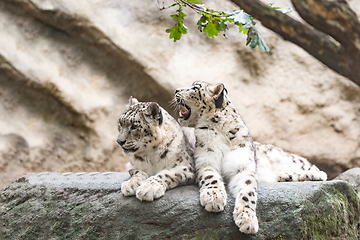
pixel 91 206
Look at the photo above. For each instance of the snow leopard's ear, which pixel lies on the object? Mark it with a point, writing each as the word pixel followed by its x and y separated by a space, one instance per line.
pixel 217 92
pixel 153 113
pixel 132 101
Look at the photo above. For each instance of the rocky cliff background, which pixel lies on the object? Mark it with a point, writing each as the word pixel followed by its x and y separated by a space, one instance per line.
pixel 67 69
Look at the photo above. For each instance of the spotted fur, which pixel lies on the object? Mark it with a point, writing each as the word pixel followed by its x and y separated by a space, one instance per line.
pixel 160 151
pixel 226 152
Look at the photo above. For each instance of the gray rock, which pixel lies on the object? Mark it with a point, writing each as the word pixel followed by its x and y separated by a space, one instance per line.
pixel 352 176
pixel 91 206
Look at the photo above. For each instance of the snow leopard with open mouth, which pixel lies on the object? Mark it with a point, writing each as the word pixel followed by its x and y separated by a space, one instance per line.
pixel 226 152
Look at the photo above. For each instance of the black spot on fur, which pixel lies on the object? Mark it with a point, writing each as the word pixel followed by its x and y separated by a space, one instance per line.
pixel 234 131
pixel 164 153
pixel 251 194
pixel 209 177
pixel 139 158
pixel 203 127
pixel 245 199
pixel 253 202
pixel 214 120
pixel 210 149
pixel 248 182
pixel 214 182
pixel 231 138
pixel 166 175
pixel 242 145
pixel 169 143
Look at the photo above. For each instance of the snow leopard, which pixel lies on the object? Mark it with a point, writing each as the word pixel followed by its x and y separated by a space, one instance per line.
pixel 160 151
pixel 226 153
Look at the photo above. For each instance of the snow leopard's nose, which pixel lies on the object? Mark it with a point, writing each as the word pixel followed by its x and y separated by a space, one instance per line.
pixel 120 142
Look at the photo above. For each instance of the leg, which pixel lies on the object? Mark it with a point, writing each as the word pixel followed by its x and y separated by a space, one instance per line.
pixel 244 187
pixel 128 188
pixel 212 189
pixel 155 186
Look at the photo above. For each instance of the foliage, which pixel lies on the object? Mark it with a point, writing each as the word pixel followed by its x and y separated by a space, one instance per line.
pixel 179 28
pixel 213 22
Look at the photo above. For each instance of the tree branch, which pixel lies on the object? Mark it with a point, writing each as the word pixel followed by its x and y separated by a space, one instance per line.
pixel 317 43
pixel 333 18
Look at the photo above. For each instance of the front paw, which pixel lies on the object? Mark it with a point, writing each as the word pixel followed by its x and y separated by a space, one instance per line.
pixel 128 188
pixel 285 177
pixel 313 176
pixel 213 199
pixel 245 218
pixel 151 189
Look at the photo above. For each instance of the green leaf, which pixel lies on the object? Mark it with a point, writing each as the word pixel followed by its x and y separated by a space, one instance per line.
pixel 283 10
pixel 179 28
pixel 222 26
pixel 201 23
pixel 240 17
pixel 254 38
pixel 212 28
pixel 180 15
pixel 243 29
pixel 177 31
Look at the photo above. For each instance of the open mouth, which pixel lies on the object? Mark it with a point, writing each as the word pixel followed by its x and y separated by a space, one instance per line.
pixel 185 110
pixel 130 149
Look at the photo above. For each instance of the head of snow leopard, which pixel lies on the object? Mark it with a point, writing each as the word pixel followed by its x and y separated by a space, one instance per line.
pixel 139 126
pixel 196 100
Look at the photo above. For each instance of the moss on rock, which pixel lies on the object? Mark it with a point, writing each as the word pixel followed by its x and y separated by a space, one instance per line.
pixel 48 209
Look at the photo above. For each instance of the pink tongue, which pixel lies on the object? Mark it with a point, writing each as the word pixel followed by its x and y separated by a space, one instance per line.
pixel 183 113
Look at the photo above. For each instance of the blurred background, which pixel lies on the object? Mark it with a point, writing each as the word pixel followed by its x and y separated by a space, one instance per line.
pixel 67 69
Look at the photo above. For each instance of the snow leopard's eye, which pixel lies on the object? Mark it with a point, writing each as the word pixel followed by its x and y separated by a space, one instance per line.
pixel 134 126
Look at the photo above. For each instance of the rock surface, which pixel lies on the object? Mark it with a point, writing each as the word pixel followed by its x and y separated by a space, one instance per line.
pixel 68 67
pixel 91 206
pixel 352 176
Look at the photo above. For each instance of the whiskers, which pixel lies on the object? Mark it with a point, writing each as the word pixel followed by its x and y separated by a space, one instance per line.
pixel 174 104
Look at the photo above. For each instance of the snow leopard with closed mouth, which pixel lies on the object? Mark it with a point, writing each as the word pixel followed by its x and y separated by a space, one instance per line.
pixel 226 152
pixel 160 151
